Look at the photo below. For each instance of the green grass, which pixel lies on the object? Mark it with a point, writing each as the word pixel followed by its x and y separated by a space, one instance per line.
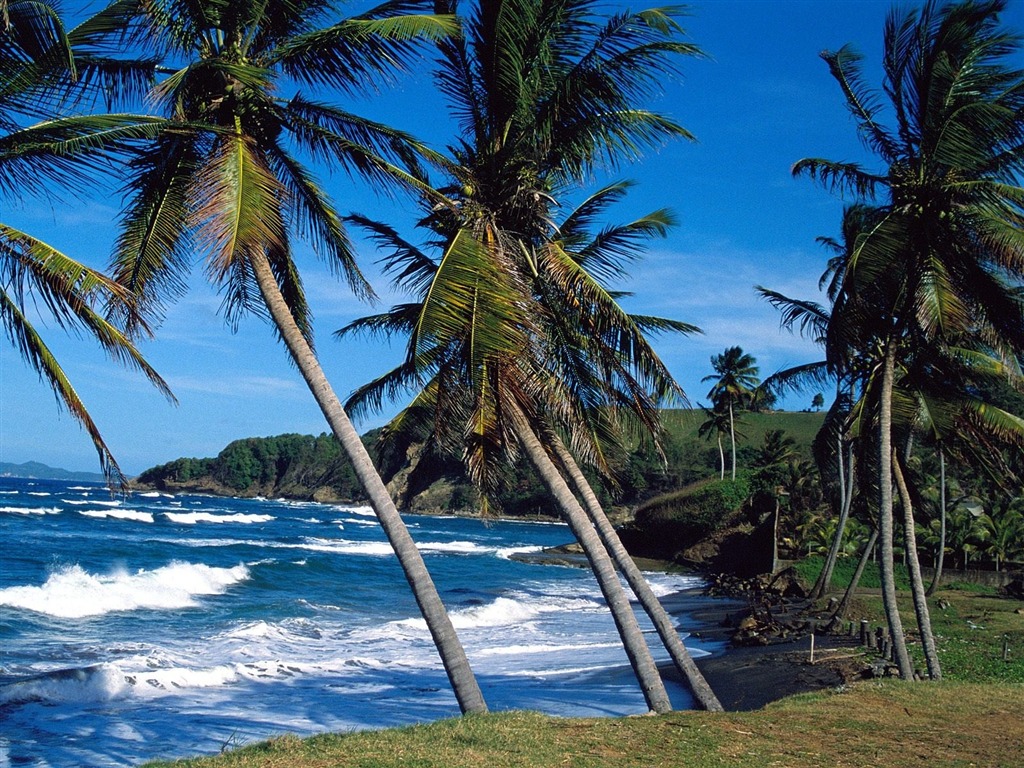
pixel 970 628
pixel 683 424
pixel 809 568
pixel 889 723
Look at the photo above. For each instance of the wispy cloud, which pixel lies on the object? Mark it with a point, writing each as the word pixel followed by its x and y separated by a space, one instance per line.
pixel 237 386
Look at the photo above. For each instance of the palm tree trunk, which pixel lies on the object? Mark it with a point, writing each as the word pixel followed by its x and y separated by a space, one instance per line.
pixel 662 623
pixel 449 647
pixel 924 621
pixel 844 604
pixel 941 554
pixel 732 439
pixel 885 517
pixel 629 631
pixel 721 458
pixel 824 582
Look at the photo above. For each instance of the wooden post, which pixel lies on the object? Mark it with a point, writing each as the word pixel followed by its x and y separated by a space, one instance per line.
pixel 812 648
pixel 865 638
pixel 1006 648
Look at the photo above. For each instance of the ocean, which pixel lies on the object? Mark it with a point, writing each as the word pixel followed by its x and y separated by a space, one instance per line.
pixel 160 626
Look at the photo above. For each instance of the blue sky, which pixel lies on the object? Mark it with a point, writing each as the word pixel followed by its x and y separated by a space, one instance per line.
pixel 760 101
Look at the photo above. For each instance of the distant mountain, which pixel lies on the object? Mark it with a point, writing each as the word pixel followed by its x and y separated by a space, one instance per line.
pixel 39 471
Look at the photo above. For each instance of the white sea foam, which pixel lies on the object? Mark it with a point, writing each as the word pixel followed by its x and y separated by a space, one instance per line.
pixel 454 547
pixel 191 518
pixel 363 511
pixel 506 552
pixel 175 678
pixel 9 493
pixel 39 493
pixel 156 495
pixel 103 682
pixel 345 546
pixel 31 510
pixel 522 650
pixel 71 592
pixel 119 514
pixel 505 611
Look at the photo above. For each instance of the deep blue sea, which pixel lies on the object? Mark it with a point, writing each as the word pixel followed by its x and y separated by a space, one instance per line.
pixel 161 626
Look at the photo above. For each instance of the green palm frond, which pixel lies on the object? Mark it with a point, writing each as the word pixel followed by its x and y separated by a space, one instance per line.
pixel 471 299
pixel 861 101
pixel 312 213
pixel 839 177
pixel 811 318
pixel 153 254
pixel 607 253
pixel 410 268
pixel 359 51
pixel 363 147
pixel 39 357
pixel 237 209
pixel 67 150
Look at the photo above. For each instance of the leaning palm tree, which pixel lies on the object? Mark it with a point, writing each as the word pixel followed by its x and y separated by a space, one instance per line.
pixel 943 261
pixel 544 91
pixel 522 371
pixel 735 380
pixel 37 55
pixel 224 178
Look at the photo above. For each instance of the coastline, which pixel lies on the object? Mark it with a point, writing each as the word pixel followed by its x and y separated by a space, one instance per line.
pixel 747 677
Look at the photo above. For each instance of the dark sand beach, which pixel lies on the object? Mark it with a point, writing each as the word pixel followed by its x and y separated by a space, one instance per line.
pixel 749 676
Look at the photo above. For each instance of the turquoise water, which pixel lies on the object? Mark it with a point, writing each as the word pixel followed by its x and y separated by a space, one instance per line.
pixel 162 626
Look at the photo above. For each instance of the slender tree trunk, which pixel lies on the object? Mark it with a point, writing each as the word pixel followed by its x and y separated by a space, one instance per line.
pixel 844 604
pixel 662 623
pixel 941 554
pixel 885 517
pixel 639 654
pixel 824 582
pixel 721 458
pixel 449 647
pixel 924 621
pixel 732 440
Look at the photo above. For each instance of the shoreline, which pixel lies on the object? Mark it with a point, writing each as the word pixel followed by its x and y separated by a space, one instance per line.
pixel 747 677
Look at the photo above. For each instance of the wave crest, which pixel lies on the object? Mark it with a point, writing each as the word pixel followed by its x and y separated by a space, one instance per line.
pixel 72 593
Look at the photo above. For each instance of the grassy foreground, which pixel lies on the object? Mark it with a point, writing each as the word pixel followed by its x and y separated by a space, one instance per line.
pixel 868 724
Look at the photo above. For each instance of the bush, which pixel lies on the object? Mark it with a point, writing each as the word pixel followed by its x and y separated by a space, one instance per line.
pixel 672 522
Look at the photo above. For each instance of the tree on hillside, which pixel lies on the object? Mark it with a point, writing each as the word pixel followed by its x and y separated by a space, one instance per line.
pixel 717 423
pixel 224 179
pixel 735 380
pixel 941 265
pixel 37 57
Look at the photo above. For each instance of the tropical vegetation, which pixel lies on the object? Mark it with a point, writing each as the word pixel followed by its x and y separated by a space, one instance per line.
pixel 530 386
pixel 926 294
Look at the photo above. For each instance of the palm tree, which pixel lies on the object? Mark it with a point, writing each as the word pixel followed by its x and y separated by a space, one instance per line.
pixel 515 403
pixel 942 261
pixel 716 423
pixel 735 380
pixel 544 91
pixel 223 177
pixel 37 55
